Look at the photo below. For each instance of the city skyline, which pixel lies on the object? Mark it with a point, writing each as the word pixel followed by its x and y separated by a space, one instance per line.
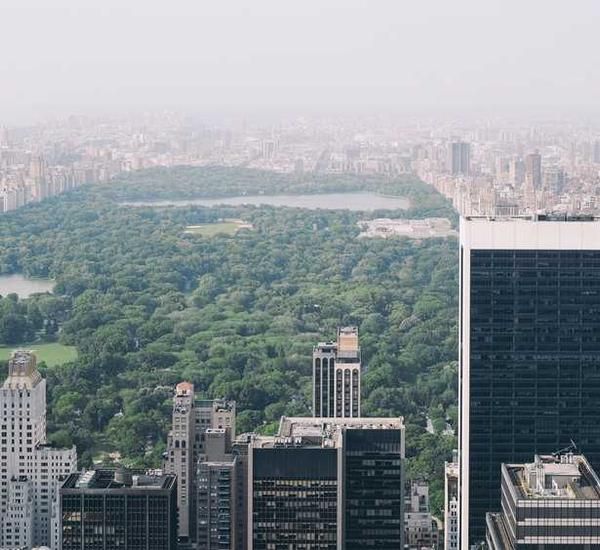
pixel 299 275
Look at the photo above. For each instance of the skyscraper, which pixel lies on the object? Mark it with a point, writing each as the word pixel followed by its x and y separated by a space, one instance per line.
pixel 533 170
pixel 327 484
pixel 596 152
pixel 529 352
pixel 459 158
pixel 30 468
pixel 191 418
pixel 516 172
pixel 102 509
pixel 336 376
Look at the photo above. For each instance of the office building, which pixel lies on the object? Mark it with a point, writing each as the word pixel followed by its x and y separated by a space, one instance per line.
pixel 459 158
pixel 191 418
pixel 529 351
pixel 553 502
pixel 240 451
pixel 533 170
pixel 336 376
pixel 554 179
pixel 451 505
pixel 516 172
pixel 102 509
pixel 217 502
pixel 420 528
pixel 596 152
pixel 327 484
pixel 31 469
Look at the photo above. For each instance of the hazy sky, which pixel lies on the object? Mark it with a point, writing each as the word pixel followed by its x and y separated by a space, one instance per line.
pixel 72 56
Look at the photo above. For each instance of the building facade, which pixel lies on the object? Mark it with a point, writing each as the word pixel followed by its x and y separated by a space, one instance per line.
pixel 421 530
pixel 529 353
pixel 104 509
pixel 327 484
pixel 451 505
pixel 30 469
pixel 192 417
pixel 459 160
pixel 533 170
pixel 553 502
pixel 336 376
pixel 216 494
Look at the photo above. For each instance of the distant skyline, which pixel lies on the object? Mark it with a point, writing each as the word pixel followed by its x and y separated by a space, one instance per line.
pixel 266 56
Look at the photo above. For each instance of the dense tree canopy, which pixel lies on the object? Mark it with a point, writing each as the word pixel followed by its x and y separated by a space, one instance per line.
pixel 147 306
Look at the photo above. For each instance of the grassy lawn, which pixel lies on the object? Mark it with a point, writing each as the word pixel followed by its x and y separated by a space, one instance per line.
pixel 212 229
pixel 52 354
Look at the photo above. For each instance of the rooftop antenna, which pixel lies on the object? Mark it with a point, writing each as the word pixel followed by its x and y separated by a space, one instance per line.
pixel 572 448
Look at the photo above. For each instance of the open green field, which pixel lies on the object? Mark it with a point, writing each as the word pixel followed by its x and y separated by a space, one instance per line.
pixel 212 229
pixel 52 354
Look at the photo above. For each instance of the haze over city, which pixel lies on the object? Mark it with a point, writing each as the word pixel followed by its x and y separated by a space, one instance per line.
pixel 266 56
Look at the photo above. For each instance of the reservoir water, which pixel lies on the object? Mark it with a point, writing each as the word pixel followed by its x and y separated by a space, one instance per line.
pixel 23 286
pixel 363 201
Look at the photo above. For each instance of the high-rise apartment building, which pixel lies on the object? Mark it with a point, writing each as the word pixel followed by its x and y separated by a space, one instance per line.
pixel 30 469
pixel 459 158
pixel 240 451
pixel 451 505
pixel 102 509
pixel 328 484
pixel 596 152
pixel 529 350
pixel 191 418
pixel 554 179
pixel 516 170
pixel 216 491
pixel 553 502
pixel 336 376
pixel 533 170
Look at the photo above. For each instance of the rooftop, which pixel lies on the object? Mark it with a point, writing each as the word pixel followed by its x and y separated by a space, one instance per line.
pixel 215 404
pixel 346 346
pixel 322 432
pixel 291 426
pixel 22 370
pixel 184 388
pixel 565 476
pixel 539 217
pixel 119 480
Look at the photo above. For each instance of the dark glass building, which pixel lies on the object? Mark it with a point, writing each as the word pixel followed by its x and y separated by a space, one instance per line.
pixel 373 488
pixel 294 501
pixel 529 350
pixel 328 484
pixel 104 509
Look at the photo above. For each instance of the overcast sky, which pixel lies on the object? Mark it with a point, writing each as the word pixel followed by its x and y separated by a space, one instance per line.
pixel 60 57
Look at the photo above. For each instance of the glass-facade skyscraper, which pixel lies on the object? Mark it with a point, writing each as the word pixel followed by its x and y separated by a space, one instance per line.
pixel 529 350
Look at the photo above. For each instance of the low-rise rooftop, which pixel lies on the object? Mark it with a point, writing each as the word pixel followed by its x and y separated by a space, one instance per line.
pixel 567 476
pixel 119 479
pixel 322 432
